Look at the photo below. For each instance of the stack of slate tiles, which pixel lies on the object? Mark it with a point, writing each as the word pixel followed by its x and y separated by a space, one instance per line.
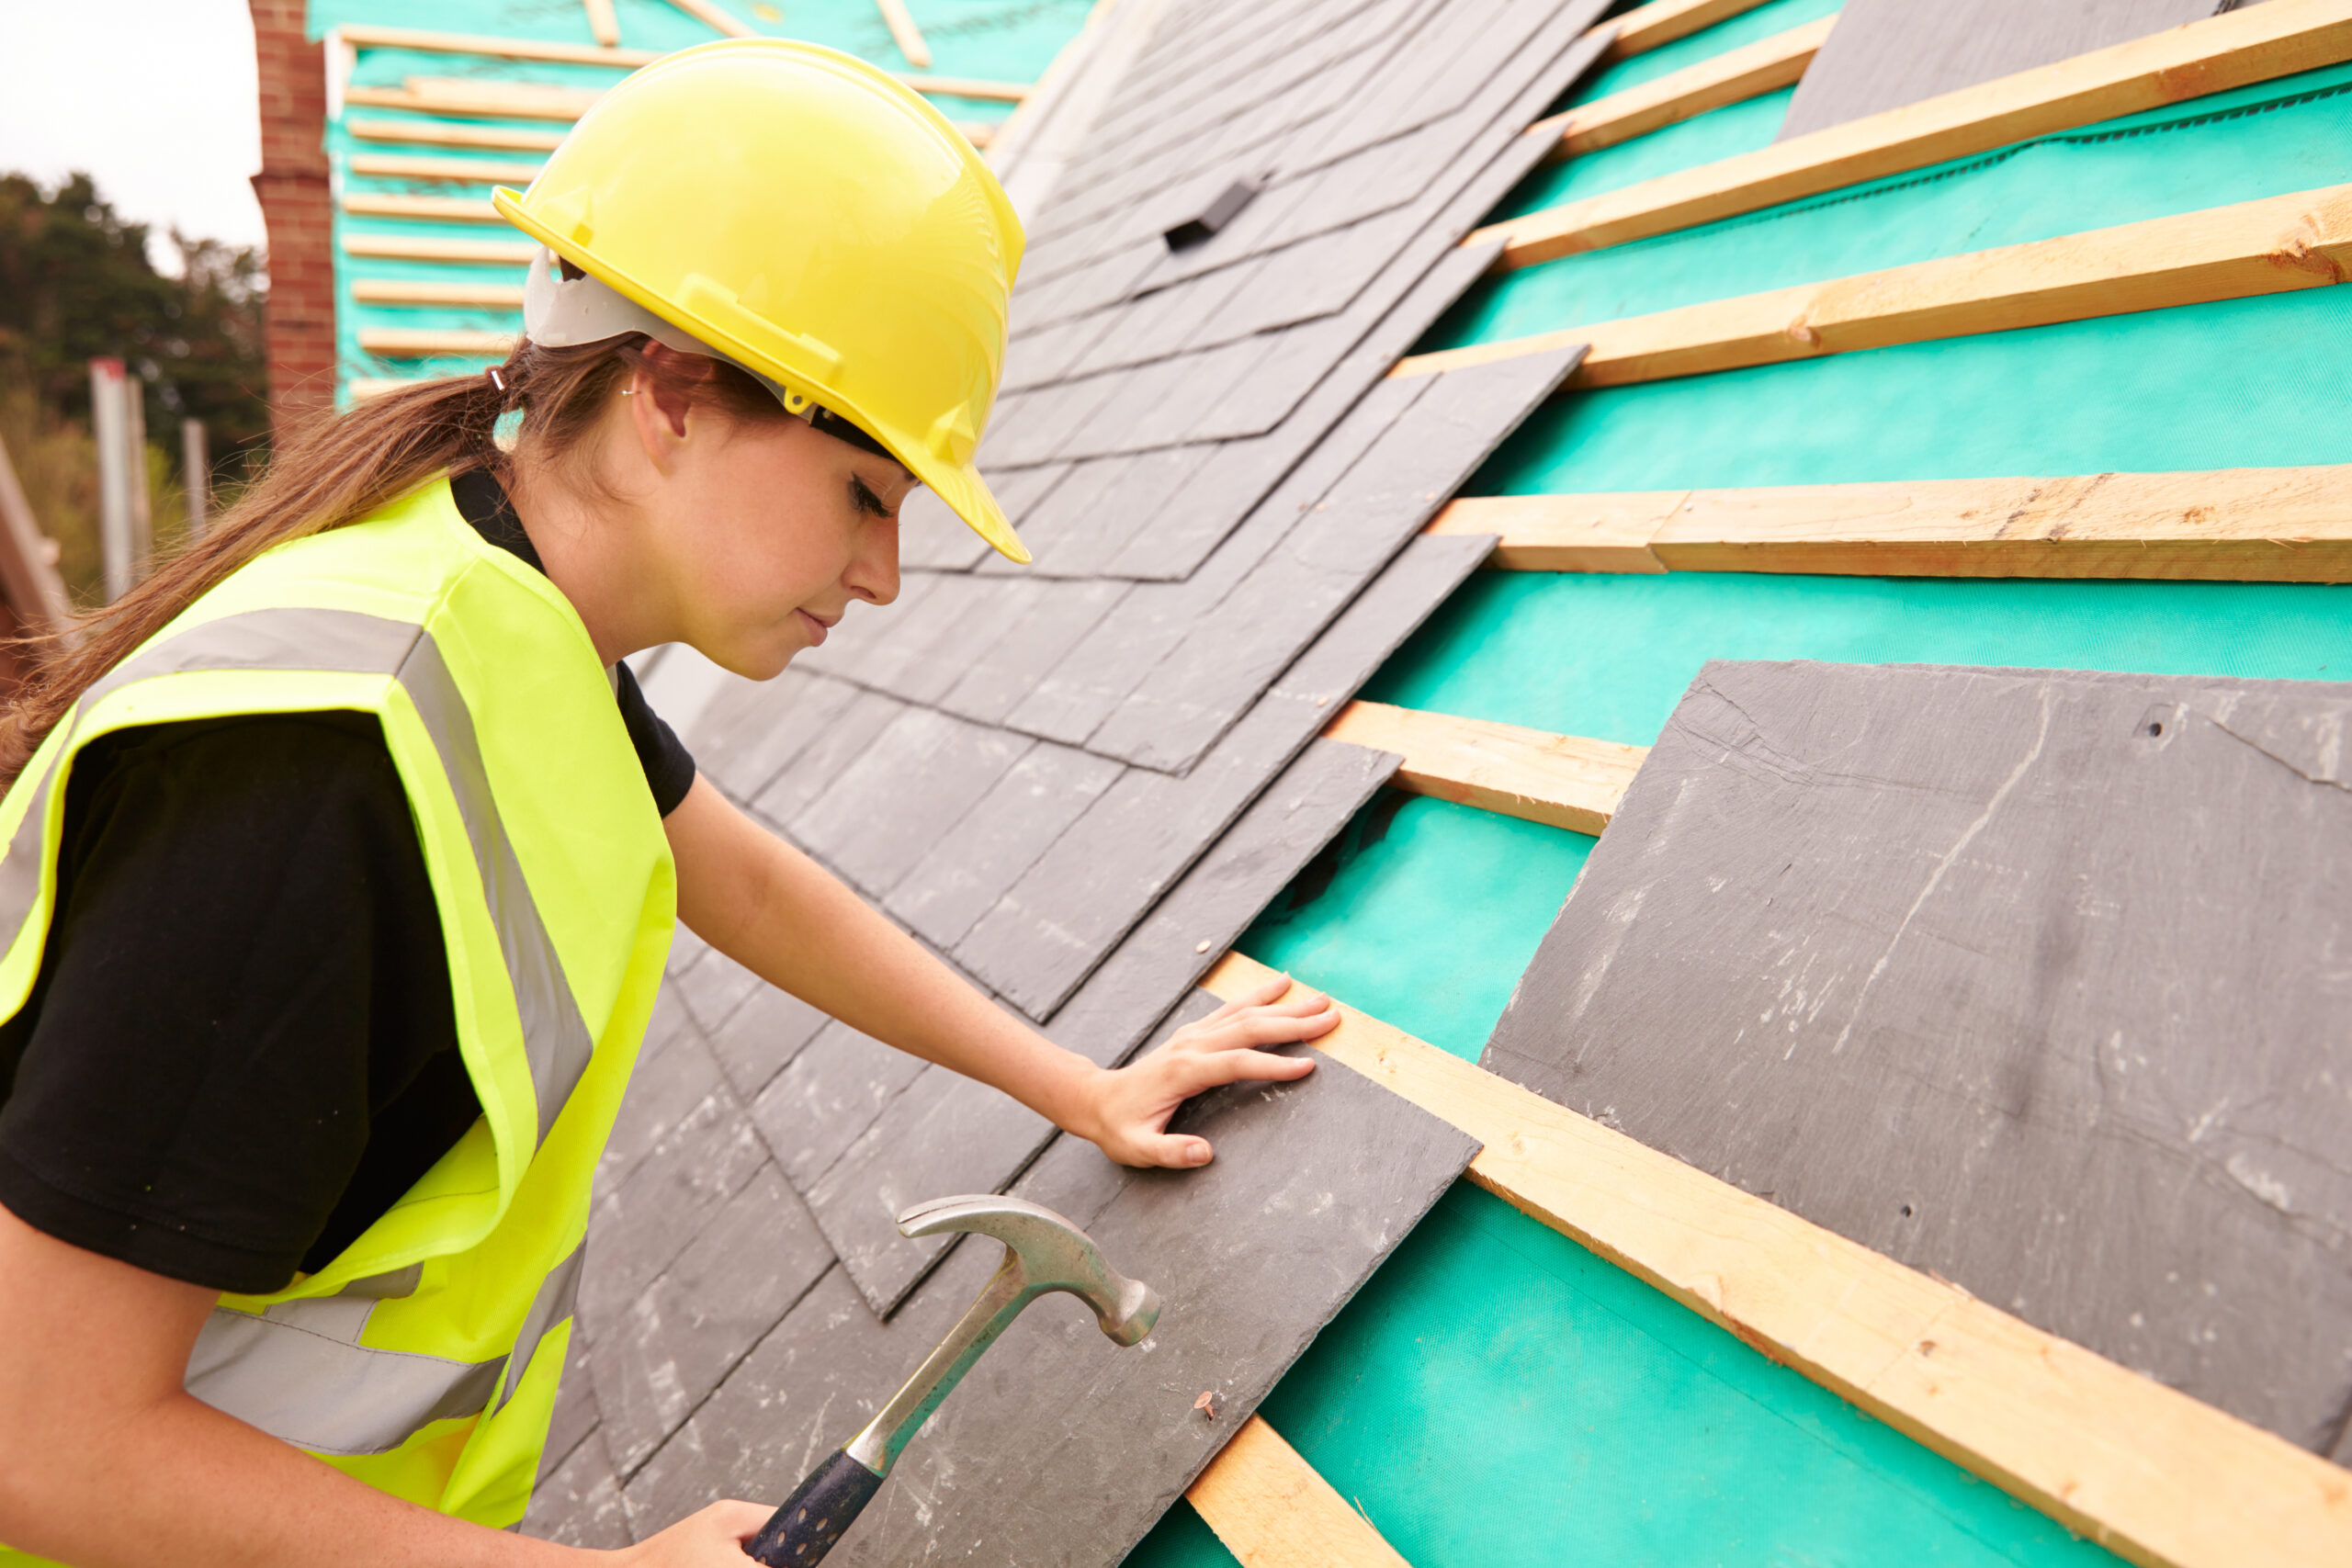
pixel 1078 783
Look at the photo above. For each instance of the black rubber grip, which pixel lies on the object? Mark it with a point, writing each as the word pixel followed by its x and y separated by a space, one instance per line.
pixel 814 1516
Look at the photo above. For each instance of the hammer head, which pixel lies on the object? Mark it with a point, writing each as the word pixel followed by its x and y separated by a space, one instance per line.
pixel 1054 1254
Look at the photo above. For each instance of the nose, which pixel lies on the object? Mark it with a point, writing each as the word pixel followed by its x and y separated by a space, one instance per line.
pixel 872 573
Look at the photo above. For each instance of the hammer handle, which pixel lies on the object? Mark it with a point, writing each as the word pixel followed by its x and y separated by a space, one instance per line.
pixel 815 1515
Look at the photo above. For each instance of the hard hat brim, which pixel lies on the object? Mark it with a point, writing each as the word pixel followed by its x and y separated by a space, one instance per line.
pixel 958 485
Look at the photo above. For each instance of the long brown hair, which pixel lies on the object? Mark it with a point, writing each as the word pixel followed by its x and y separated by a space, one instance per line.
pixel 344 467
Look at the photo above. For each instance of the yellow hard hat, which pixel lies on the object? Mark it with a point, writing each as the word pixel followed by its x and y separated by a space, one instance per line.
pixel 814 219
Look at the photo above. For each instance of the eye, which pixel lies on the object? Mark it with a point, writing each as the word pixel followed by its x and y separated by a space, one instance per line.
pixel 862 497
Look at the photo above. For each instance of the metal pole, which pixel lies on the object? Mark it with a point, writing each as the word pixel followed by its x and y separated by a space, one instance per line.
pixel 108 419
pixel 195 464
pixel 134 464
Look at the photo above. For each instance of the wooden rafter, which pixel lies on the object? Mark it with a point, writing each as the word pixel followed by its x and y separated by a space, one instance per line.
pixel 1645 28
pixel 2234 525
pixel 420 208
pixel 712 16
pixel 421 291
pixel 478 170
pixel 425 41
pixel 1566 781
pixel 2238 48
pixel 1731 77
pixel 2274 246
pixel 458 95
pixel 605 26
pixel 2144 1470
pixel 1271 1510
pixel 904 33
pixel 425 343
pixel 440 133
pixel 430 248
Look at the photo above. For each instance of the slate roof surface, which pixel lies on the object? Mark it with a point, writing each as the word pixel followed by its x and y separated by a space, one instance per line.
pixel 1078 783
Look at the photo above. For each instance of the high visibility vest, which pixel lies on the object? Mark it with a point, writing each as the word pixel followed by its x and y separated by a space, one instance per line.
pixel 424 1359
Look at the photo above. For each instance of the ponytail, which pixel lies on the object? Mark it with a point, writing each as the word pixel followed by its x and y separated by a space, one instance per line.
pixel 344 467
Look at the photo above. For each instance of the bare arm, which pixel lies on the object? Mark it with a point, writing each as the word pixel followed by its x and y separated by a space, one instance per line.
pixel 789 920
pixel 106 1461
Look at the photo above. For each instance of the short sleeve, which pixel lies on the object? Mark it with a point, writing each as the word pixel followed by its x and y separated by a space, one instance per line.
pixel 669 766
pixel 245 980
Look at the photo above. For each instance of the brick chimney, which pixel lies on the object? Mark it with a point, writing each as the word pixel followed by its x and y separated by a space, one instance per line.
pixel 297 204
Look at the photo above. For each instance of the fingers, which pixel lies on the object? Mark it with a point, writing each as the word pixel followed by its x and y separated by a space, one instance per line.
pixel 1268 1028
pixel 1258 995
pixel 1232 1067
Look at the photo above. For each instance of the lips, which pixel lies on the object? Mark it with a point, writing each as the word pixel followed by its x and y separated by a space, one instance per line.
pixel 817 628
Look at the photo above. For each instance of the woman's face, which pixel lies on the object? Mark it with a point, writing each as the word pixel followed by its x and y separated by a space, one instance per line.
pixel 767 530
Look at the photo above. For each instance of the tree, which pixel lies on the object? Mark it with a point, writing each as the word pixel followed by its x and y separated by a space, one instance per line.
pixel 76 282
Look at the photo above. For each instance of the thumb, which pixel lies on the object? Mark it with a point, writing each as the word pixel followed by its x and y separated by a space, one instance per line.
pixel 1172 1151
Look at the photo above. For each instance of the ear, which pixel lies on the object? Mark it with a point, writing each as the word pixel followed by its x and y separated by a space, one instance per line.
pixel 660 410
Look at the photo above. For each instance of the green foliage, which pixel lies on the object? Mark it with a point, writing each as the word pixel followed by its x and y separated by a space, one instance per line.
pixel 76 282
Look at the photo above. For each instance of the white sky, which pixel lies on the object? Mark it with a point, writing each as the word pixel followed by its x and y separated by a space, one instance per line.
pixel 155 98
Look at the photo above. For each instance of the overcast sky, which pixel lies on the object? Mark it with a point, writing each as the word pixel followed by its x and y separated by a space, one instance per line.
pixel 155 98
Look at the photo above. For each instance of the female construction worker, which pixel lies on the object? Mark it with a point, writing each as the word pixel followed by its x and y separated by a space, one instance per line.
pixel 342 856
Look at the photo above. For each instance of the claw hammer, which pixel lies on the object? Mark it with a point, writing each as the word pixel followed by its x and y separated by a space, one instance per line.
pixel 1043 1253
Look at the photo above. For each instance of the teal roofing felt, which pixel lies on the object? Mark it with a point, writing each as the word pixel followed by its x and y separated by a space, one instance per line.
pixel 1605 1419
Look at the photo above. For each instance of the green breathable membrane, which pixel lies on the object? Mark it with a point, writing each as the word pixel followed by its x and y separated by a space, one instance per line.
pixel 2268 140
pixel 1497 1396
pixel 1732 32
pixel 1719 133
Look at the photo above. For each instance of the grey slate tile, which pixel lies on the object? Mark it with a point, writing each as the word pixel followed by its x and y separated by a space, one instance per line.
pixel 2030 978
pixel 1145 486
pixel 575 1413
pixel 638 1225
pixel 1066 515
pixel 1061 1447
pixel 761 1036
pixel 933 538
pixel 1023 813
pixel 663 1092
pixel 906 791
pixel 579 1504
pixel 826 1095
pixel 938 1138
pixel 758 1255
pixel 867 633
pixel 1008 669
pixel 714 986
pixel 972 618
pixel 853 728
pixel 1233 653
pixel 764 727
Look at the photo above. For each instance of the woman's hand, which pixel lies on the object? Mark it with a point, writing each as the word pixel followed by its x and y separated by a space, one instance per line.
pixel 709 1538
pixel 1129 1109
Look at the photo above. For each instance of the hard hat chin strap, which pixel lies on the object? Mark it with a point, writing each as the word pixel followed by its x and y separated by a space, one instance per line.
pixel 566 308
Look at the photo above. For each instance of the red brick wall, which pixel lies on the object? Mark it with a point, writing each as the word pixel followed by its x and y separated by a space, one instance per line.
pixel 296 205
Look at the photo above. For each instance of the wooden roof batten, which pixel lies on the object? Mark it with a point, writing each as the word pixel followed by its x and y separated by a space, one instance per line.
pixel 2103 1450
pixel 2272 245
pixel 1731 77
pixel 2236 49
pixel 2226 524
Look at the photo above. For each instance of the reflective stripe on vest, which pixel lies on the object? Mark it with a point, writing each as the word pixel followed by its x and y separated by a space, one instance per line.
pixel 299 1371
pixel 554 1037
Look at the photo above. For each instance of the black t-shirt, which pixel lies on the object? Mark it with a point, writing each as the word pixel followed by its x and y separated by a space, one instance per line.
pixel 240 1048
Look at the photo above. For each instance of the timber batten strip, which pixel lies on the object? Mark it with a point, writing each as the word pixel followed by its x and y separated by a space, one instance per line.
pixel 439 133
pixel 2224 524
pixel 419 247
pixel 2273 245
pixel 420 208
pixel 1564 781
pixel 2146 1471
pixel 2236 49
pixel 1731 77
pixel 1272 1510
pixel 421 343
pixel 415 291
pixel 472 171
pixel 1645 28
